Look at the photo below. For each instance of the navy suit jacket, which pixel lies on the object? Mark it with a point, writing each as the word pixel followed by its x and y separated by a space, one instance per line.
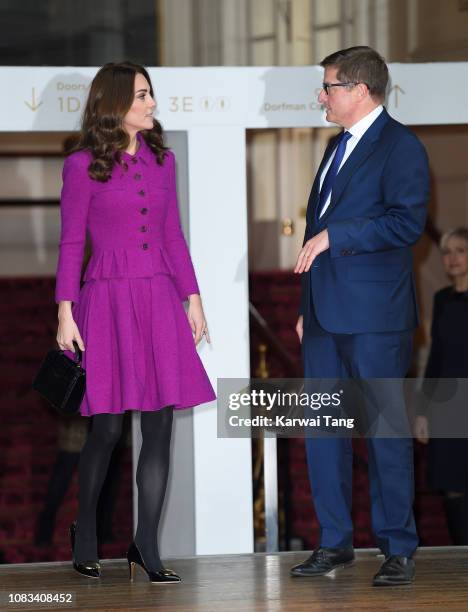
pixel 364 282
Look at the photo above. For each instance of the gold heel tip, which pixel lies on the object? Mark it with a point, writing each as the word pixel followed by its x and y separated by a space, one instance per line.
pixel 162 576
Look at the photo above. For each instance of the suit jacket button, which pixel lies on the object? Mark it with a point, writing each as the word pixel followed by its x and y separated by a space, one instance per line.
pixel 137 176
pixel 134 160
pixel 143 211
pixel 141 192
pixel 143 228
pixel 144 246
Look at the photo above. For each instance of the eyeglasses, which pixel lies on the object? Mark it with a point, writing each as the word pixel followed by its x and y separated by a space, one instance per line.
pixel 326 86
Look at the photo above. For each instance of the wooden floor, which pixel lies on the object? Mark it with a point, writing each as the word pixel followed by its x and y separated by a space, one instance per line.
pixel 249 582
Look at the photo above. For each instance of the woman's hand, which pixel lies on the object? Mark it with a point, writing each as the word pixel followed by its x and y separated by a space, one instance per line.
pixel 421 429
pixel 197 319
pixel 68 329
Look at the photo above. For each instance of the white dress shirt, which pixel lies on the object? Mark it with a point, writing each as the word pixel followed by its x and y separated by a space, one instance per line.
pixel 357 131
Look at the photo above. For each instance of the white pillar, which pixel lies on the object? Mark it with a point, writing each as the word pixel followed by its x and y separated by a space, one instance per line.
pixel 218 233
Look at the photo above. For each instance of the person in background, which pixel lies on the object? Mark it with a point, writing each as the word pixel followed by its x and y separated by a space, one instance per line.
pixel 448 358
pixel 72 433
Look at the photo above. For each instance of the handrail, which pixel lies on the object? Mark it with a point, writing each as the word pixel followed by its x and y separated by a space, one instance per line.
pixel 269 336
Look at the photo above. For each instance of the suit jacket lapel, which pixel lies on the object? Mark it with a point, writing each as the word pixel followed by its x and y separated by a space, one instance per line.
pixel 313 198
pixel 360 153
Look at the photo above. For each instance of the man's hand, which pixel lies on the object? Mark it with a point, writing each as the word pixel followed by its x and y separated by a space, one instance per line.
pixel 300 327
pixel 310 250
pixel 421 429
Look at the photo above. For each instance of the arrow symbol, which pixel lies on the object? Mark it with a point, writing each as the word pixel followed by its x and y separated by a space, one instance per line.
pixel 397 90
pixel 33 105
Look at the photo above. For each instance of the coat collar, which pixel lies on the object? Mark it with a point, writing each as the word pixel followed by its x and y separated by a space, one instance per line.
pixel 360 127
pixel 361 152
pixel 144 153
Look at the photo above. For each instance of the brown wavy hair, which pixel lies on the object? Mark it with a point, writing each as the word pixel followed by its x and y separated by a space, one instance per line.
pixel 102 133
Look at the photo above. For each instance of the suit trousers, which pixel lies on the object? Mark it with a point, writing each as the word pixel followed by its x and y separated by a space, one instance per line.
pixel 383 355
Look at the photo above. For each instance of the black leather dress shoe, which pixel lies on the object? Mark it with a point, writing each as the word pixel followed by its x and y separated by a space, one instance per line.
pixel 395 570
pixel 324 560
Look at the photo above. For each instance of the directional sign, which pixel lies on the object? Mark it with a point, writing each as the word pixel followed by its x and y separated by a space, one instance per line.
pixel 33 105
pixel 397 89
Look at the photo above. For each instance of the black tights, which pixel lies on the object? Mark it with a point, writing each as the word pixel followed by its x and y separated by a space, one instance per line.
pixel 456 512
pixel 151 477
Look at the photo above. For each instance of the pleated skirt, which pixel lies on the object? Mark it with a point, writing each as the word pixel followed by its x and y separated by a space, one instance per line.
pixel 139 348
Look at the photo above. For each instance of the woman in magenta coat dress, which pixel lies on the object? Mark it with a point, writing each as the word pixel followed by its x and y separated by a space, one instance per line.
pixel 128 318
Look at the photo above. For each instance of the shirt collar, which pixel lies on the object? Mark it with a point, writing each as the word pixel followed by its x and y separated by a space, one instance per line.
pixel 358 129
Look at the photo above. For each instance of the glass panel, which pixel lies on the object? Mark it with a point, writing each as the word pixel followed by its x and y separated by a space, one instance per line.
pixel 29 214
pixel 70 33
pixel 263 53
pixel 263 151
pixel 262 18
pixel 326 42
pixel 29 237
pixel 327 11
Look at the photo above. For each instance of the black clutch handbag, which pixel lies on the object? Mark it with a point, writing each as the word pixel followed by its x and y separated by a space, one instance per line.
pixel 61 380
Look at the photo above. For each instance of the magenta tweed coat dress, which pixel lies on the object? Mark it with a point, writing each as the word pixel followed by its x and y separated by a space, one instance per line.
pixel 139 348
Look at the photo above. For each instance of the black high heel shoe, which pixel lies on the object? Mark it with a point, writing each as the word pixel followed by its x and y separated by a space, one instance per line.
pixel 163 576
pixel 91 569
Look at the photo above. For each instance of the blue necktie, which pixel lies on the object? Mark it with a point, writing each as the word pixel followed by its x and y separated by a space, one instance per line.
pixel 330 177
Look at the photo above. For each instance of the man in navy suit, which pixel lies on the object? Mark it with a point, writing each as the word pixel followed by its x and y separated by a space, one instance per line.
pixel 358 308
